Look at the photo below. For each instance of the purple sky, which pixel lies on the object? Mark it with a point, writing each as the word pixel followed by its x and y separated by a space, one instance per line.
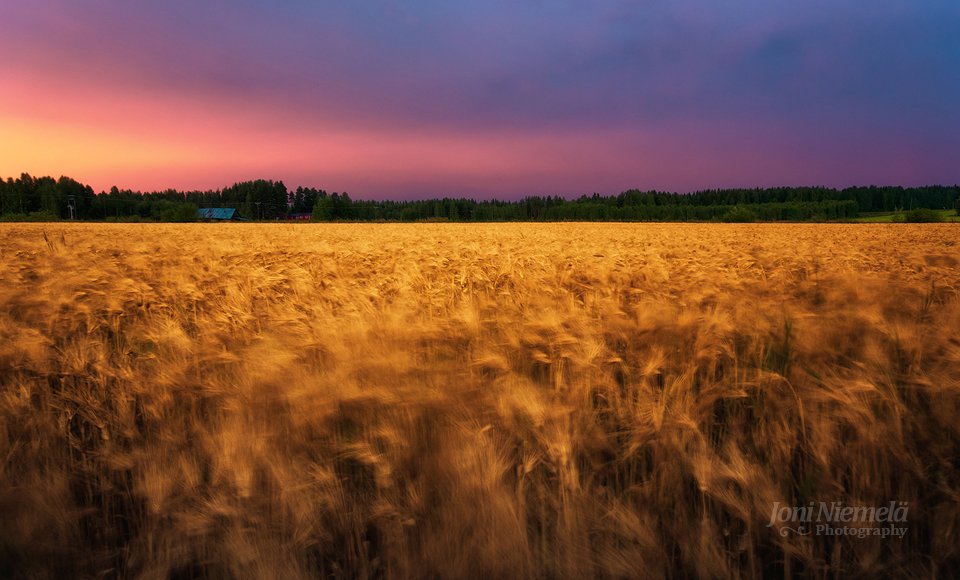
pixel 390 99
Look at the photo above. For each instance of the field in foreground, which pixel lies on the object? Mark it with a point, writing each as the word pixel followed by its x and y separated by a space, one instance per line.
pixel 476 401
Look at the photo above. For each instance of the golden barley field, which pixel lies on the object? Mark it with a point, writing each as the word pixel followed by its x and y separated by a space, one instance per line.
pixel 476 401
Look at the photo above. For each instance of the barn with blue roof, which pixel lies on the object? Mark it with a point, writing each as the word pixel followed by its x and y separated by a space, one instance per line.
pixel 219 214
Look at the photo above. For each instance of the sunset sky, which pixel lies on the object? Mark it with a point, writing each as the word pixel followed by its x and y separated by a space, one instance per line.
pixel 467 98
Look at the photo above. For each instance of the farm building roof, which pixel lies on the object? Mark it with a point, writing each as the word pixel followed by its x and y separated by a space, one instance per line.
pixel 218 213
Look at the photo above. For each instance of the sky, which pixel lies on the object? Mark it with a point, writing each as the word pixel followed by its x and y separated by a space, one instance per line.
pixel 391 99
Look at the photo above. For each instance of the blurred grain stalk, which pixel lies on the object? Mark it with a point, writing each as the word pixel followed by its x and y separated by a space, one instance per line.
pixel 475 401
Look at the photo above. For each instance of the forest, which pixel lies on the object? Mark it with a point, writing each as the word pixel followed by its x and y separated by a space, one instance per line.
pixel 29 198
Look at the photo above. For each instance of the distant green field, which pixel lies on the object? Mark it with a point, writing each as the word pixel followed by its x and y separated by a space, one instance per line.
pixel 878 217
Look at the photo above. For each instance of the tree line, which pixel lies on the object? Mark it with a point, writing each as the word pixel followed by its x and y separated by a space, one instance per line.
pixel 45 198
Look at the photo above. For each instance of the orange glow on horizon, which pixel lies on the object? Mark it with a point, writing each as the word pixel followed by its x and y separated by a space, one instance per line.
pixel 151 142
